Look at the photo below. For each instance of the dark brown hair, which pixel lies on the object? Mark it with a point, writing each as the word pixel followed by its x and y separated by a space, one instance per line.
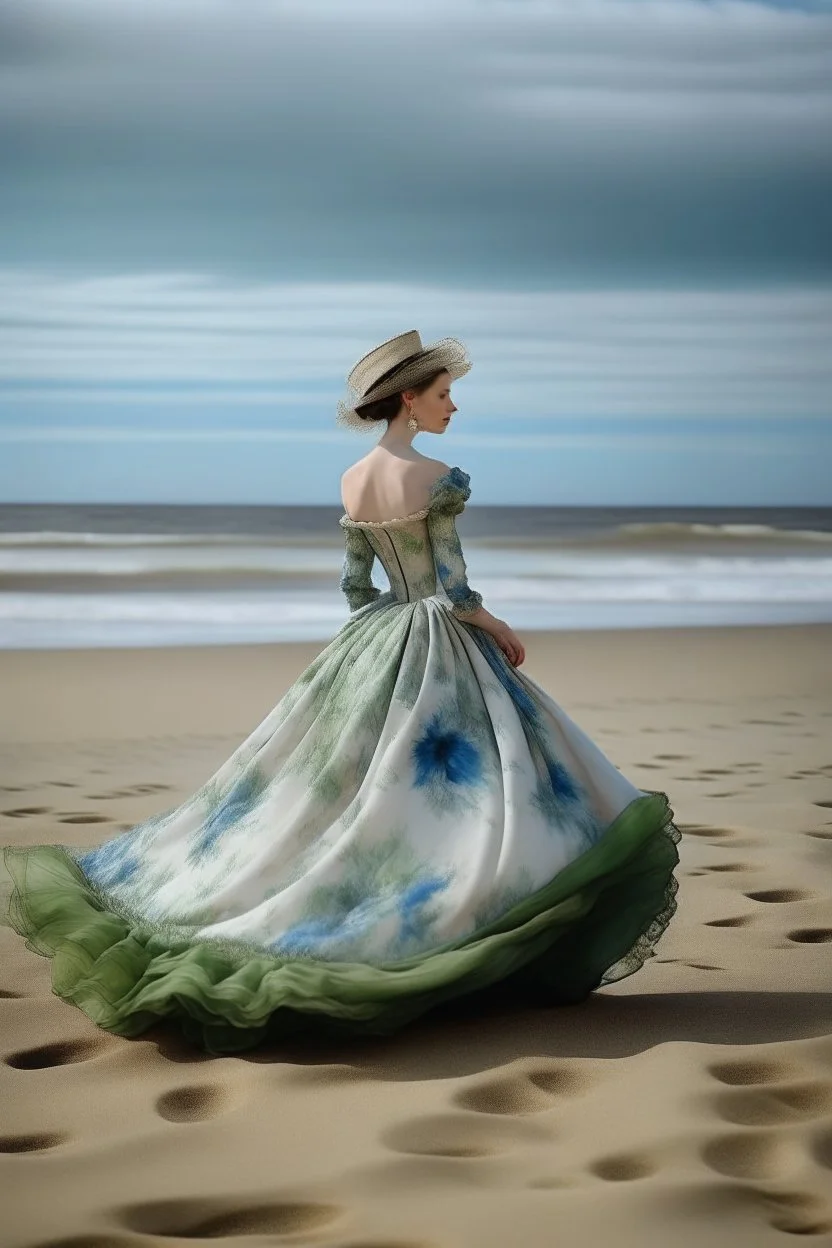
pixel 389 408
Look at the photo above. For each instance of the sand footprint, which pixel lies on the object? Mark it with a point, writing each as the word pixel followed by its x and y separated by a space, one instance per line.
pixel 61 1054
pixel 215 1219
pixel 795 1213
pixel 772 723
pixel 84 817
pixel 730 866
pixel 527 1092
pixel 753 1155
pixel 136 790
pixel 753 1071
pixel 776 1104
pixel 450 1135
pixel 194 1104
pixel 779 895
pixel 704 829
pixel 25 812
pixel 31 1143
pixel 810 935
pixel 624 1167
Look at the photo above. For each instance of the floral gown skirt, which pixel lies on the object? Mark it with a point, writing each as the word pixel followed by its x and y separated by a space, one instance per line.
pixel 415 821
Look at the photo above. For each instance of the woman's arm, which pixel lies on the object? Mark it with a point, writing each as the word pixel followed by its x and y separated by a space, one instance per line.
pixel 451 567
pixel 356 575
pixel 466 603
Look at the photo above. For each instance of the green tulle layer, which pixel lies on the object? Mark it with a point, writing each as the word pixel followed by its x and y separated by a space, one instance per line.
pixel 597 921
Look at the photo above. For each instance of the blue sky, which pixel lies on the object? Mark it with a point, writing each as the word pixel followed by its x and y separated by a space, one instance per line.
pixel 209 211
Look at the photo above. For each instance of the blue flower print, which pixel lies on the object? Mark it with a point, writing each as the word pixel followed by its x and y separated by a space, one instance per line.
pixel 507 676
pixel 451 491
pixel 342 933
pixel 565 804
pixel 562 783
pixel 445 754
pixel 308 938
pixel 112 863
pixel 242 797
pixel 411 906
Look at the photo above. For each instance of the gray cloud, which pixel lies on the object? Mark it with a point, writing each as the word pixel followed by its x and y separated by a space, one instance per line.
pixel 500 145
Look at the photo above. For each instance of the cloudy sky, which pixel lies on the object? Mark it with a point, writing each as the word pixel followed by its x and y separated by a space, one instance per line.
pixel 209 210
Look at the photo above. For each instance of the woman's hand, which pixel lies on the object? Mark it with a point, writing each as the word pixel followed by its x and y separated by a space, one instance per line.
pixel 508 641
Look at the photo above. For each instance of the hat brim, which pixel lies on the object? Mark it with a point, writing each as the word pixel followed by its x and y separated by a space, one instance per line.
pixel 449 355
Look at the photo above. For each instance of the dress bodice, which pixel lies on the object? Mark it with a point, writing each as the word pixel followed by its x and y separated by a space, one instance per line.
pixel 404 549
pixel 420 552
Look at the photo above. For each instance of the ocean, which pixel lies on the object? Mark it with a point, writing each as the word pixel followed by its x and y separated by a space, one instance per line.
pixel 90 576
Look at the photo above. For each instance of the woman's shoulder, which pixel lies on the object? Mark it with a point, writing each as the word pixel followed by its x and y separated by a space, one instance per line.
pixel 449 490
pixel 444 487
pixel 356 471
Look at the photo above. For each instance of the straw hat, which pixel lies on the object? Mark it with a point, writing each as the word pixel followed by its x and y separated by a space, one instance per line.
pixel 393 366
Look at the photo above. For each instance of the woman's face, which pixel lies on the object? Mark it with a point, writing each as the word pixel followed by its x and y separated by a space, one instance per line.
pixel 433 409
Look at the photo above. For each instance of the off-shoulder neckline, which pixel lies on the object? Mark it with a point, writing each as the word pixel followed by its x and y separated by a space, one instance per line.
pixel 414 515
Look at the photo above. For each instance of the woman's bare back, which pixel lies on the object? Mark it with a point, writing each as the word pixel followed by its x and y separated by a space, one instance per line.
pixel 382 486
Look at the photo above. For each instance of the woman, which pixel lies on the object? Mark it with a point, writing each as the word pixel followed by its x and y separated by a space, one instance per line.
pixel 415 821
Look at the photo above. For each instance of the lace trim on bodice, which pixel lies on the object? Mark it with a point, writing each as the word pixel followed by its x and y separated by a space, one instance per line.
pixel 384 524
pixel 456 479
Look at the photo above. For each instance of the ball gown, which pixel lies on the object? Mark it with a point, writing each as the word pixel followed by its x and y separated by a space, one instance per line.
pixel 415 822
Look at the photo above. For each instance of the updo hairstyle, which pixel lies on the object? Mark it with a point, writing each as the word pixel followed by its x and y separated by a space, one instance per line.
pixel 389 408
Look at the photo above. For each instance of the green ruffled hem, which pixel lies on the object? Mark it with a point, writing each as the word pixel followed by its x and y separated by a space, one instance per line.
pixel 596 922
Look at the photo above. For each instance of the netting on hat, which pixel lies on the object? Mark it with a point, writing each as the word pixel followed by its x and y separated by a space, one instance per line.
pixel 448 353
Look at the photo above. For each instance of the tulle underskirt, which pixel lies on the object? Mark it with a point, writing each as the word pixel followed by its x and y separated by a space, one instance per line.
pixel 596 922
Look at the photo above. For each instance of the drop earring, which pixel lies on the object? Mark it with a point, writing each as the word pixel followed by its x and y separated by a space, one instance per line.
pixel 412 423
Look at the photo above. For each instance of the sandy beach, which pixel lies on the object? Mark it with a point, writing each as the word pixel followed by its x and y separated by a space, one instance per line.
pixel 692 1100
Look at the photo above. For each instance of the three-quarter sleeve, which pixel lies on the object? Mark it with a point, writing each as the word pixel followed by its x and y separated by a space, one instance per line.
pixel 447 502
pixel 356 578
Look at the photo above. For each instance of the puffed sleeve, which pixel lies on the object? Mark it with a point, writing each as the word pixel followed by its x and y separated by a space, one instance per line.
pixel 447 500
pixel 356 579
